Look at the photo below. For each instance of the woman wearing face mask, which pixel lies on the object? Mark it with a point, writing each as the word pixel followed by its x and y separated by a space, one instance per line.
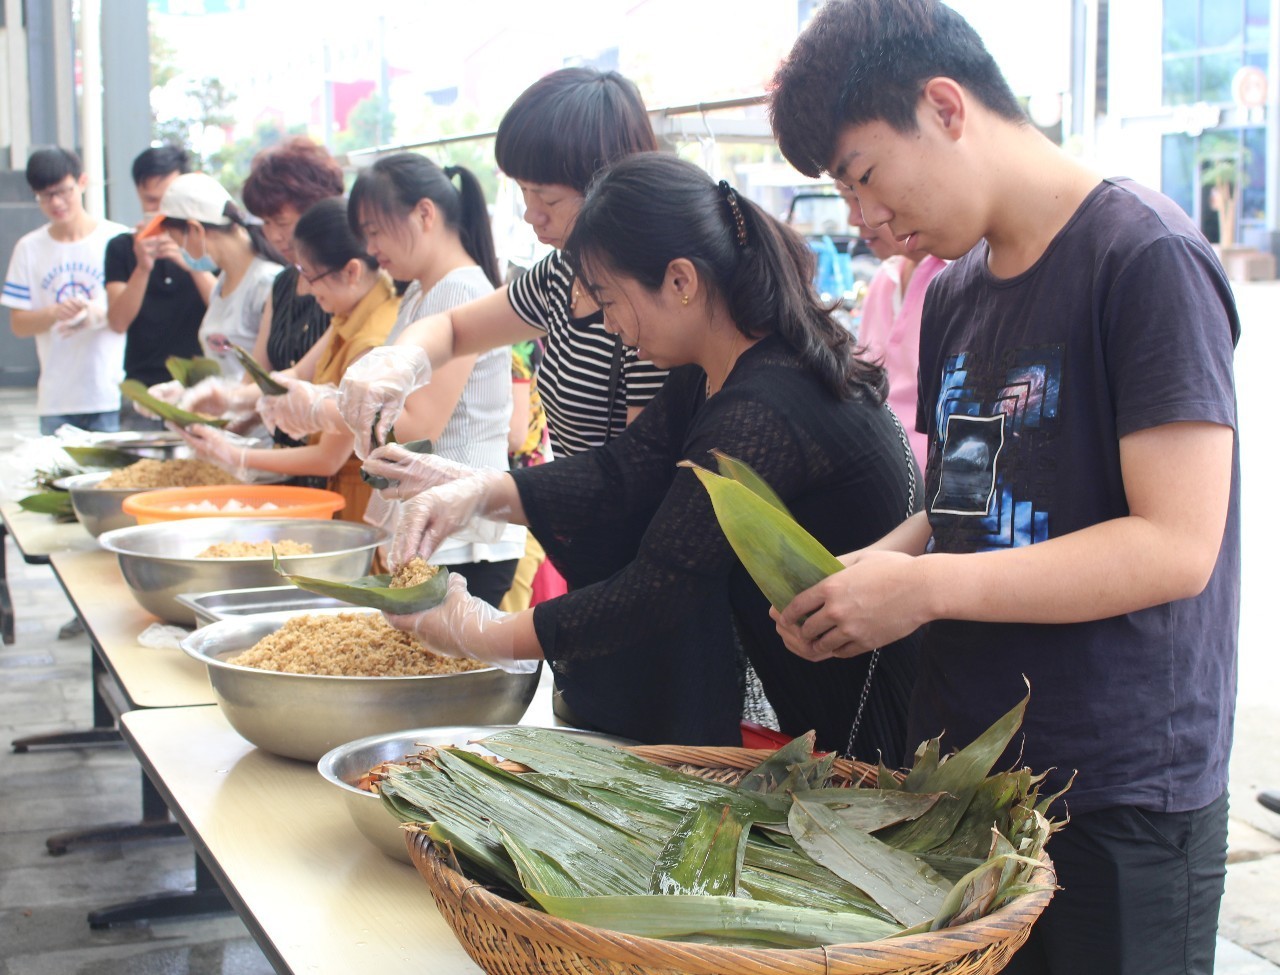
pixel 430 226
pixel 707 284
pixel 334 270
pixel 284 182
pixel 551 141
pixel 215 233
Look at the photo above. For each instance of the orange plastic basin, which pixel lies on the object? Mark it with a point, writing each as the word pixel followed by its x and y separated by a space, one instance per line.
pixel 170 504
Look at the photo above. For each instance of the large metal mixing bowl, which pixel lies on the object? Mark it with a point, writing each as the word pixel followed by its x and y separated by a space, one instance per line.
pixel 303 716
pixel 98 509
pixel 159 561
pixel 347 764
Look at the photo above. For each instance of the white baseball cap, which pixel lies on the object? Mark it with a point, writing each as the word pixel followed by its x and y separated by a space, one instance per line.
pixel 196 196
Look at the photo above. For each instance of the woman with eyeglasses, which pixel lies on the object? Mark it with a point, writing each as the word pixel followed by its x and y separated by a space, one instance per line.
pixel 430 226
pixel 360 302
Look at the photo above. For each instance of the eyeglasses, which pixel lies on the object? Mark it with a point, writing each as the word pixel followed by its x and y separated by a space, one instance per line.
pixel 57 193
pixel 303 274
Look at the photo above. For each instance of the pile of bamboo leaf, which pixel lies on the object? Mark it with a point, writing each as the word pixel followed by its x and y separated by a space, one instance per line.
pixel 784 859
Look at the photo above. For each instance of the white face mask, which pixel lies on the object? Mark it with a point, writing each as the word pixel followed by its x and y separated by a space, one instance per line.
pixel 203 263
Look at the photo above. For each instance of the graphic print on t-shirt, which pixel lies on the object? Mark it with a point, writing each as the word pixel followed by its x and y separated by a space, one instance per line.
pixel 989 418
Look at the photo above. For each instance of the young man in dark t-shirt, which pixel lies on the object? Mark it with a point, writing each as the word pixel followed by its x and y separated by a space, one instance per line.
pixel 1081 520
pixel 152 295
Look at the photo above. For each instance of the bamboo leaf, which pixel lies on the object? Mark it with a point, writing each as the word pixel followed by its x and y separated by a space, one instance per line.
pixel 374 591
pixel 773 771
pixel 727 920
pixel 56 503
pixel 704 855
pixel 903 885
pixel 872 809
pixel 259 375
pixel 782 558
pixel 624 773
pixel 107 457
pixel 137 392
pixel 741 472
pixel 191 371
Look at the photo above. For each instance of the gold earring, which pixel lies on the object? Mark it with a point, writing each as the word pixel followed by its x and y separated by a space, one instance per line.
pixel 684 299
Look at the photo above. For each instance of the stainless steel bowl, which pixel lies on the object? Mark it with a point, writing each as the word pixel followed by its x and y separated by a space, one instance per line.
pixel 303 716
pixel 99 509
pixel 345 765
pixel 159 561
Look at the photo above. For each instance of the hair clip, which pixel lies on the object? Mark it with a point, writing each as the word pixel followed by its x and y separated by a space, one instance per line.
pixel 735 211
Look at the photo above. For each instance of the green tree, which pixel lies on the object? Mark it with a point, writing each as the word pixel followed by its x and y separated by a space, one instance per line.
pixel 369 124
pixel 230 164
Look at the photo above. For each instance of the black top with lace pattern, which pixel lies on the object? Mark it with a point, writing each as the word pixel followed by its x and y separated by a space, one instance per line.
pixel 647 643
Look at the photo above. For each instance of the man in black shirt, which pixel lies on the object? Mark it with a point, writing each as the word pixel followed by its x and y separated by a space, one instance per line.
pixel 152 294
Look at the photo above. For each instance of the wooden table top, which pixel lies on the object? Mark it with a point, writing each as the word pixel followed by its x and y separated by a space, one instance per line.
pixel 315 894
pixel 39 536
pixel 149 678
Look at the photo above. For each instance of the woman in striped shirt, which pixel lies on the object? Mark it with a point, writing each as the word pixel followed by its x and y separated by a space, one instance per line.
pixel 557 135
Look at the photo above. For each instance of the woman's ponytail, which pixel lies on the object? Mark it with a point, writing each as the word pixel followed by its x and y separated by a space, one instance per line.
pixel 473 224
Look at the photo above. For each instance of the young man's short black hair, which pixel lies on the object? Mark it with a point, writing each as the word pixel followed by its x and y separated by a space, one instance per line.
pixel 160 161
pixel 49 167
pixel 868 60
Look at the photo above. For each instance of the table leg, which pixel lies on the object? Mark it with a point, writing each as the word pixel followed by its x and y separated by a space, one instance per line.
pixel 205 898
pixel 103 732
pixel 6 602
pixel 156 824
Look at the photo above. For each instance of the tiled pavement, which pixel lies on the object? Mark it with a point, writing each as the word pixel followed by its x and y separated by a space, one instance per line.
pixel 44 686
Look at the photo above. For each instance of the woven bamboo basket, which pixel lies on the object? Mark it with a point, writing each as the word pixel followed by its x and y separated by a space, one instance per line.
pixel 507 938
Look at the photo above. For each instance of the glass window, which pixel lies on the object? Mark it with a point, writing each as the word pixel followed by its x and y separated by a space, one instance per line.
pixel 1180 81
pixel 1178 164
pixel 1257 20
pixel 1216 72
pixel 1222 23
pixel 1253 199
pixel 1179 26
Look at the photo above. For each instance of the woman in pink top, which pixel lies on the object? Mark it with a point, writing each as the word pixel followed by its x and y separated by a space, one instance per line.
pixel 890 328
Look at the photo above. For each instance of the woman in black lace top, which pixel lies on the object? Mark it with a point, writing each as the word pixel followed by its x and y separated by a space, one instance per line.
pixel 704 282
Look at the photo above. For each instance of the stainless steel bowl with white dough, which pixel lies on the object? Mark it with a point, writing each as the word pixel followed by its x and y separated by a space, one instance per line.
pixel 305 715
pixel 159 561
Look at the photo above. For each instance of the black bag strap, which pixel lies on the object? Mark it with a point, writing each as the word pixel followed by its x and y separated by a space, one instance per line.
pixel 615 380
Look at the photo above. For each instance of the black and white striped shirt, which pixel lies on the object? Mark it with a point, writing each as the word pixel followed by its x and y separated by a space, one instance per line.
pixel 574 379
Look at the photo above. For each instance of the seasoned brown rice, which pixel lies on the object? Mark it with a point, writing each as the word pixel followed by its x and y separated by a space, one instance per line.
pixel 167 473
pixel 413 573
pixel 347 645
pixel 243 550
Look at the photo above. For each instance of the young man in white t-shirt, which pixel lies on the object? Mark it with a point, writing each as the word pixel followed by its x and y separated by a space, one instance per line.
pixel 55 289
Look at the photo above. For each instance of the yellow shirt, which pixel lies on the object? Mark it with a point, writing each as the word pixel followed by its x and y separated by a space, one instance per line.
pixel 365 327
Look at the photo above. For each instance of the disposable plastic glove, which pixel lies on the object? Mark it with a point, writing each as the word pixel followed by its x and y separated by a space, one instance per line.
pixel 217 396
pixel 213 445
pixel 85 316
pixel 374 389
pixel 466 627
pixel 429 518
pixel 301 411
pixel 411 474
pixel 169 392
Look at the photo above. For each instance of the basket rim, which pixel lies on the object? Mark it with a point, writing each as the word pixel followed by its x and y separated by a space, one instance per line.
pixel 932 947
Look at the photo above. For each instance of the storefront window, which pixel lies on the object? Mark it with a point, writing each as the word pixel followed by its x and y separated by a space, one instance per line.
pixel 1205 44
